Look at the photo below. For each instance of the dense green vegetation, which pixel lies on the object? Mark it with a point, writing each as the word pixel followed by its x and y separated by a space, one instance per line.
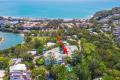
pixel 98 56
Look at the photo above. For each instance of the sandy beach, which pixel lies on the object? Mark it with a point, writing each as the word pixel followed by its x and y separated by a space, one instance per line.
pixel 1 39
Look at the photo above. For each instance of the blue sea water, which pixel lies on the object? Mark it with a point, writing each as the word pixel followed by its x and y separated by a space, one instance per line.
pixel 54 8
pixel 49 9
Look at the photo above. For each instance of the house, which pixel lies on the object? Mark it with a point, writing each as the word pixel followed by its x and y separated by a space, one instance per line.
pixel 13 22
pixel 105 28
pixel 33 52
pixel 33 26
pixel 56 55
pixel 116 21
pixel 67 25
pixel 49 44
pixel 19 72
pixel 2 23
pixel 75 36
pixel 98 78
pixel 16 60
pixel 65 42
pixel 2 74
pixel 116 31
pixel 92 32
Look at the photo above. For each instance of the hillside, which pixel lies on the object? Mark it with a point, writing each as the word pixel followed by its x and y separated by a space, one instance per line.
pixel 106 15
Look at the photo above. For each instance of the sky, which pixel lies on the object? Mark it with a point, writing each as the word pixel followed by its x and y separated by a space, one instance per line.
pixel 56 1
pixel 80 1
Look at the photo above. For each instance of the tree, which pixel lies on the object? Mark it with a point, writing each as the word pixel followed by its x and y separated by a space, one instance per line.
pixel 40 61
pixel 39 73
pixel 107 77
pixel 20 49
pixel 27 59
pixel 82 70
pixel 71 76
pixel 59 72
pixel 8 25
pixel 40 49
pixel 29 64
pixel 28 39
pixel 4 62
pixel 38 44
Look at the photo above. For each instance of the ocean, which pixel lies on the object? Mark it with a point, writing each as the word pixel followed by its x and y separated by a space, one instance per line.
pixel 54 8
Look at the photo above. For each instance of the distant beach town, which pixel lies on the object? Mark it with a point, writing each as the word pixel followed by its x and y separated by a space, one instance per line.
pixel 16 24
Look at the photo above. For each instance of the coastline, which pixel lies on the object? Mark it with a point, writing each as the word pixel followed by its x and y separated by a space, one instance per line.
pixel 21 34
pixel 49 18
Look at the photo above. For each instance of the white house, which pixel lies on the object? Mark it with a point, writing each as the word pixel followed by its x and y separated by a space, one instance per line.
pixel 33 52
pixel 106 28
pixel 116 31
pixel 98 78
pixel 19 72
pixel 16 60
pixel 2 74
pixel 49 44
pixel 57 56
